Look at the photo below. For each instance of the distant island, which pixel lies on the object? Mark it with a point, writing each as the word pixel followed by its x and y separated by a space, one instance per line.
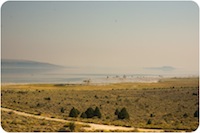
pixel 163 68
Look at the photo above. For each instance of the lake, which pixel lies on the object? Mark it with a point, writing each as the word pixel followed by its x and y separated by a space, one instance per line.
pixel 13 71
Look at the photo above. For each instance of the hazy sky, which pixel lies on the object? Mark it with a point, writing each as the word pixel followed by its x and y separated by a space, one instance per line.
pixel 108 34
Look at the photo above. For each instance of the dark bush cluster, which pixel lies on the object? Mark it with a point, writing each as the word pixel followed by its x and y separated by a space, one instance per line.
pixel 89 113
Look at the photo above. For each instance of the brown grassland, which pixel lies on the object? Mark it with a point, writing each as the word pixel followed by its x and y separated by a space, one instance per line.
pixel 12 122
pixel 169 104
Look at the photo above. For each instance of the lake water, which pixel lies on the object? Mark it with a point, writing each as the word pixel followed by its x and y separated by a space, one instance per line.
pixel 64 76
pixel 23 73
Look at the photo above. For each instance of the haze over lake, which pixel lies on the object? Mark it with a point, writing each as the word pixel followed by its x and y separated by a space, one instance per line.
pixel 98 39
pixel 21 71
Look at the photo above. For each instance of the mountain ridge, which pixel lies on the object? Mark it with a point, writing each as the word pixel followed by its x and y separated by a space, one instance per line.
pixel 28 63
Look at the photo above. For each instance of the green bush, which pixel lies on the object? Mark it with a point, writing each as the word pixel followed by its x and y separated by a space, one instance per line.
pixel 89 112
pixel 123 114
pixel 74 112
pixel 97 112
pixel 83 115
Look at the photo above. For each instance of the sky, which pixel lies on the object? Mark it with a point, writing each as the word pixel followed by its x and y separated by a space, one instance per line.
pixel 102 34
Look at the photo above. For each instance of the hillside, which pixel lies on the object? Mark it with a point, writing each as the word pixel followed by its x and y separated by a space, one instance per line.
pixel 12 63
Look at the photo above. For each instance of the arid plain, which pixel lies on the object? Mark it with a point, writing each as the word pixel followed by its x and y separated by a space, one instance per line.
pixel 168 105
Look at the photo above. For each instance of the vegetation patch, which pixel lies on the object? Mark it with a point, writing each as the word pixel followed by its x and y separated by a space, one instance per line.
pixel 170 104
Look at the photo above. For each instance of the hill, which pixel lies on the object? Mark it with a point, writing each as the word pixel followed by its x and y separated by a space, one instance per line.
pixel 12 63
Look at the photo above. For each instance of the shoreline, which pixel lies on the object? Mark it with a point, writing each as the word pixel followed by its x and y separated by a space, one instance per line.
pixel 102 81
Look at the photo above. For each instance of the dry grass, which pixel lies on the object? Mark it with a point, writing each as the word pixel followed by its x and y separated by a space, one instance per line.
pixel 164 103
pixel 12 122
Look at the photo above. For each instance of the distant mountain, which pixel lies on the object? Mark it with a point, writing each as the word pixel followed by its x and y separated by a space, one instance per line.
pixel 12 63
pixel 163 68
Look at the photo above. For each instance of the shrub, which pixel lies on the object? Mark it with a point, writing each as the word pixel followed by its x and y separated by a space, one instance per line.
pixel 72 127
pixel 47 98
pixel 62 110
pixel 83 115
pixel 97 112
pixel 96 96
pixel 39 113
pixel 195 94
pixel 149 121
pixel 123 114
pixel 89 112
pixel 152 115
pixel 116 112
pixel 196 113
pixel 43 123
pixel 10 112
pixel 38 105
pixel 185 115
pixel 74 112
